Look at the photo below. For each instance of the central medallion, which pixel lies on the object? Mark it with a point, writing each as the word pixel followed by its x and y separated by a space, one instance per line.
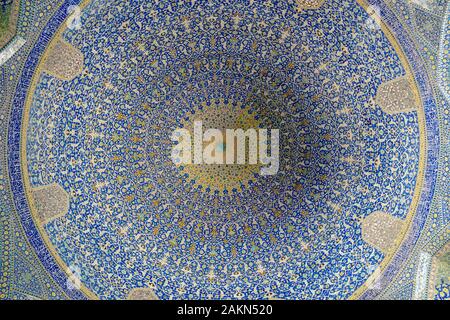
pixel 221 178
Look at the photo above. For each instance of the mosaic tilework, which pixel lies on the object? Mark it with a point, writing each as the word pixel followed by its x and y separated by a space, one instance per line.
pixel 435 229
pixel 173 238
pixel 24 234
pixel 206 236
pixel 9 10
pixel 18 261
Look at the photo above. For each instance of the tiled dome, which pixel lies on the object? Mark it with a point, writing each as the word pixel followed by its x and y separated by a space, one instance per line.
pixel 106 209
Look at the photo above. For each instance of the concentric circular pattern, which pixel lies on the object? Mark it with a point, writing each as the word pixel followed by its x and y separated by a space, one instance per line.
pixel 137 220
pixel 221 178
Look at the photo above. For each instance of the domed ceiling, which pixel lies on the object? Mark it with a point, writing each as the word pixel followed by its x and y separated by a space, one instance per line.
pixel 354 206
